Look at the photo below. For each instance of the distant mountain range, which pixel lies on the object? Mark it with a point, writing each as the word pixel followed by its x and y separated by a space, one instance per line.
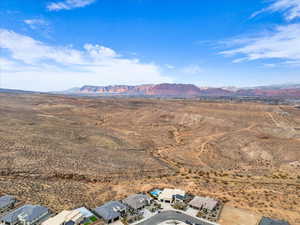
pixel 189 90
pixel 181 90
pixel 3 90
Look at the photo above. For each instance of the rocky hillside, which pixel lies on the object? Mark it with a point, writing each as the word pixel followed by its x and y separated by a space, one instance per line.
pixel 157 90
pixel 174 90
pixel 190 90
pixel 293 92
pixel 64 151
pixel 116 89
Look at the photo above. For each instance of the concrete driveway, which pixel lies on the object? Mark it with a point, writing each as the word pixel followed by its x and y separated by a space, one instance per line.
pixel 172 215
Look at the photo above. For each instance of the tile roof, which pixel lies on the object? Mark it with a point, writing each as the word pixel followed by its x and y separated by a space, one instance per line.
pixel 110 210
pixel 137 201
pixel 269 221
pixel 203 202
pixel 29 212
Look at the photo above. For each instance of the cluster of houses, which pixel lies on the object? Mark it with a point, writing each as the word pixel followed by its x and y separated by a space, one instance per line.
pixel 128 210
pixel 11 213
pixel 207 208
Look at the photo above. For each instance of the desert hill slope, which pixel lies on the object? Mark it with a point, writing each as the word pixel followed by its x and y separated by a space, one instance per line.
pixel 65 151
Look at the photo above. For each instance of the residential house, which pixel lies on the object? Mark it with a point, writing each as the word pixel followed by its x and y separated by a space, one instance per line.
pixel 85 212
pixel 168 195
pixel 203 203
pixel 179 198
pixel 111 211
pixel 137 201
pixel 269 221
pixel 26 215
pixel 89 217
pixel 7 202
pixel 73 217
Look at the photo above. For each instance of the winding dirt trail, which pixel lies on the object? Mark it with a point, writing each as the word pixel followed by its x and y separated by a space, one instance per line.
pixel 159 153
pixel 214 136
pixel 273 119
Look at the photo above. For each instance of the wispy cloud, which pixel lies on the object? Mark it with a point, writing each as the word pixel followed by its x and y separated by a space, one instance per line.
pixel 33 61
pixel 294 63
pixel 68 4
pixel 35 23
pixel 169 66
pixel 283 43
pixel 6 64
pixel 290 8
pixel 41 26
pixel 192 69
pixel 270 65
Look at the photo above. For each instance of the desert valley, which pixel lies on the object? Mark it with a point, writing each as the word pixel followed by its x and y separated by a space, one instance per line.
pixel 65 151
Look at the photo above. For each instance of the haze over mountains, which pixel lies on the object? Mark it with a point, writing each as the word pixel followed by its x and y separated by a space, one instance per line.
pixel 190 90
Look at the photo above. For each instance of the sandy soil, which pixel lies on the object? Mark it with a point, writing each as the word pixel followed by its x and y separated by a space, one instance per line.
pixel 64 152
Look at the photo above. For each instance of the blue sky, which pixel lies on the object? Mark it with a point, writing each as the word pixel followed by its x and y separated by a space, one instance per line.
pixel 58 44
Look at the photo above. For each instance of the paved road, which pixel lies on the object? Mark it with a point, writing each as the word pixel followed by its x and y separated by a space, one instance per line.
pixel 172 215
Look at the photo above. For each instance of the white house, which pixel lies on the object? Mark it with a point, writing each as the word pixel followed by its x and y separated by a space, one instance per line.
pixel 65 217
pixel 168 195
